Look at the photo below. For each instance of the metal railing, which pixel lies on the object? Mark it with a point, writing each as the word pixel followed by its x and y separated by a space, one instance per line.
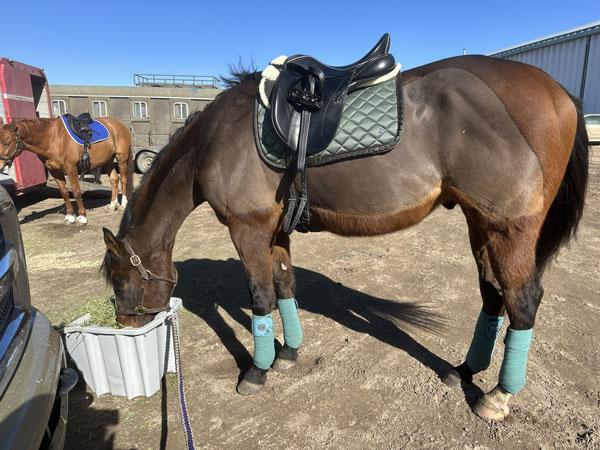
pixel 200 81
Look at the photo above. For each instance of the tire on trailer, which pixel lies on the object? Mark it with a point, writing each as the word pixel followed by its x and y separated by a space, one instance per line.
pixel 143 160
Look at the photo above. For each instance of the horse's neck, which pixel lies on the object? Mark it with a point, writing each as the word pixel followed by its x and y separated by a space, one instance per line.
pixel 36 140
pixel 173 202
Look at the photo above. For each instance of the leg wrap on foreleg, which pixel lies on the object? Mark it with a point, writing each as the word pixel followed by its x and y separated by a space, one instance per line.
pixel 264 341
pixel 292 329
pixel 480 352
pixel 514 365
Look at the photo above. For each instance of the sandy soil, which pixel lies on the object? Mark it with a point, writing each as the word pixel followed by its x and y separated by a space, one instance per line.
pixel 383 318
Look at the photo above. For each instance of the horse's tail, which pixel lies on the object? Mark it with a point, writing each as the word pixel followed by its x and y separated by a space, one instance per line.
pixel 130 171
pixel 565 212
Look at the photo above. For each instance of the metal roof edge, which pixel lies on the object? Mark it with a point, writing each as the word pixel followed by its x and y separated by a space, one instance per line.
pixel 553 39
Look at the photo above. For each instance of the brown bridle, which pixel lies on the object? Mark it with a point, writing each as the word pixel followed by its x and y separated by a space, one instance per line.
pixel 20 145
pixel 140 309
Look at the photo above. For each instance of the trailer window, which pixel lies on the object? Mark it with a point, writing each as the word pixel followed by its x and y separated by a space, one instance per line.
pixel 181 110
pixel 140 110
pixel 58 108
pixel 99 108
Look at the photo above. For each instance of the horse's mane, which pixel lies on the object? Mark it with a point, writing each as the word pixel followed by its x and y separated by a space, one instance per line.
pixel 144 195
pixel 238 74
pixel 32 125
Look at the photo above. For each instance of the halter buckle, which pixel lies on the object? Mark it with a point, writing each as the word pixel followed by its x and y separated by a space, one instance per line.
pixel 135 260
pixel 140 310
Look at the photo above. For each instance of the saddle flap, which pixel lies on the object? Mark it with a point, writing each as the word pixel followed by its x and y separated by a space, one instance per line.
pixel 323 122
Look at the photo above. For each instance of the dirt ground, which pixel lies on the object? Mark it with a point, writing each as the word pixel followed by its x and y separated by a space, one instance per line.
pixel 383 318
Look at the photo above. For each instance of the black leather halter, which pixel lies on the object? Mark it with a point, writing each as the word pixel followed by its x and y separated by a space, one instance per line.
pixel 140 309
pixel 20 145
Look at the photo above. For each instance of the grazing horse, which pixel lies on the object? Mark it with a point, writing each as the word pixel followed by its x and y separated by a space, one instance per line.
pixel 500 139
pixel 50 141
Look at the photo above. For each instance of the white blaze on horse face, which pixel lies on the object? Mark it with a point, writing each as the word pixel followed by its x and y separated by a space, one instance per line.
pixel 69 219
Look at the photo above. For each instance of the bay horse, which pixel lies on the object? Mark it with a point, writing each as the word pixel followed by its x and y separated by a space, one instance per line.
pixel 60 154
pixel 500 139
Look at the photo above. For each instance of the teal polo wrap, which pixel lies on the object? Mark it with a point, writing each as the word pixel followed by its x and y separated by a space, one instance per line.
pixel 264 341
pixel 480 352
pixel 292 329
pixel 514 365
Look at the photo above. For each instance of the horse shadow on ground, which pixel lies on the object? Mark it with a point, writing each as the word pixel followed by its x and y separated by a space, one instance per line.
pixel 223 283
pixel 90 201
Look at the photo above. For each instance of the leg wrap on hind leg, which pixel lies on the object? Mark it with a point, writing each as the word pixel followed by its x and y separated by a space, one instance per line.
pixel 292 329
pixel 264 341
pixel 514 365
pixel 480 352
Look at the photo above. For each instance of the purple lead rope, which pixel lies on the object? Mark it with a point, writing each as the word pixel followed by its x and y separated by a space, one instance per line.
pixel 185 418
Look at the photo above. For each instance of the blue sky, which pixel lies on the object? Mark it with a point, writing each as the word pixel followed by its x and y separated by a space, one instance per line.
pixel 203 38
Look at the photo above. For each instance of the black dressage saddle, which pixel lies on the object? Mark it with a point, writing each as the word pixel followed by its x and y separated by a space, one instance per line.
pixel 307 102
pixel 80 125
pixel 308 97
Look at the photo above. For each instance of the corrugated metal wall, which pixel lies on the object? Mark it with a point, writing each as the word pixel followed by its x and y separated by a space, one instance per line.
pixel 565 63
pixel 591 96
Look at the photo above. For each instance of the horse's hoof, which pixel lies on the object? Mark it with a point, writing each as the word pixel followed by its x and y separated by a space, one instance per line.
pixel 453 379
pixel 458 377
pixel 70 219
pixel 283 365
pixel 114 205
pixel 493 405
pixel 286 359
pixel 82 220
pixel 246 387
pixel 253 381
pixel 123 202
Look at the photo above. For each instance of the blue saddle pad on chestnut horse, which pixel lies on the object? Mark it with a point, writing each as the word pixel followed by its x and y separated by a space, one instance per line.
pixel 98 131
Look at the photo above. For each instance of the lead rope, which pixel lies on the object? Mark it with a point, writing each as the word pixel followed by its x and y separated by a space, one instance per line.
pixel 185 418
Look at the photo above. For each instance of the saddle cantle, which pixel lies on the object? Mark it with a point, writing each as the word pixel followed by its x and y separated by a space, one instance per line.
pixel 291 93
pixel 308 113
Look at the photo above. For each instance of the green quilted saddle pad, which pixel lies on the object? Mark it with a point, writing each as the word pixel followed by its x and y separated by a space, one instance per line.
pixel 371 124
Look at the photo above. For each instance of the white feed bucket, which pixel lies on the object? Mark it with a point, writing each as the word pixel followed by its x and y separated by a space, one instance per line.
pixel 127 362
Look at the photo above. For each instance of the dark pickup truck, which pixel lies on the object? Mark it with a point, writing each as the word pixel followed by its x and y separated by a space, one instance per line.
pixel 34 382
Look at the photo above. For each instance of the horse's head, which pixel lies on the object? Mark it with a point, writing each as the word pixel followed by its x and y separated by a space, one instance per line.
pixel 11 143
pixel 143 282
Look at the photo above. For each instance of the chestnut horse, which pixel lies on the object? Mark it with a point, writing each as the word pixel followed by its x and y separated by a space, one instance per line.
pixel 50 141
pixel 501 139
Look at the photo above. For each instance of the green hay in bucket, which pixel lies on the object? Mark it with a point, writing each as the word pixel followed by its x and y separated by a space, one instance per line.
pixel 101 312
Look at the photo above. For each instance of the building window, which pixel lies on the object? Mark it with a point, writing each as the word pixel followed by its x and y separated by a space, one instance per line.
pixel 58 108
pixel 99 108
pixel 181 110
pixel 140 110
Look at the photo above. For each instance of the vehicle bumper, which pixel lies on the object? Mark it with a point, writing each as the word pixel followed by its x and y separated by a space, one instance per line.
pixel 31 414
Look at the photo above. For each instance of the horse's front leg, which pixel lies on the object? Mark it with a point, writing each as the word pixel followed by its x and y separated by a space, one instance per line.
pixel 283 274
pixel 59 177
pixel 252 239
pixel 76 188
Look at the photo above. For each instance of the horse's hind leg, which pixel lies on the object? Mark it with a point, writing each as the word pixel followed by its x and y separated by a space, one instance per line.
pixel 283 274
pixel 512 256
pixel 490 318
pixel 114 184
pixel 252 238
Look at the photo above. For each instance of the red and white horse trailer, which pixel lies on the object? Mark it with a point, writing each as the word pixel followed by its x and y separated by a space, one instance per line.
pixel 24 94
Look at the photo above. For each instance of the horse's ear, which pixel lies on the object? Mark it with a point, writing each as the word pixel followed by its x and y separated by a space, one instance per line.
pixel 112 243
